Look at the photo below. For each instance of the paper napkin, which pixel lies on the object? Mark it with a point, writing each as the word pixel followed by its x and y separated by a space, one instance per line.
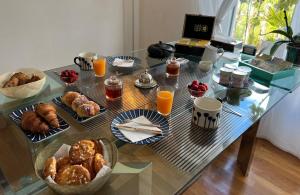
pixel 123 63
pixel 135 136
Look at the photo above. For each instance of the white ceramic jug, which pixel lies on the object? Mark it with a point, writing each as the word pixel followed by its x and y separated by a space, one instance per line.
pixel 212 54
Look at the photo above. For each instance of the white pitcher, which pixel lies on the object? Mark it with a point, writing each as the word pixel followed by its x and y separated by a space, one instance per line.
pixel 212 54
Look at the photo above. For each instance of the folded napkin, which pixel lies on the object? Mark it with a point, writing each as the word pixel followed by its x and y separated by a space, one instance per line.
pixel 123 63
pixel 135 136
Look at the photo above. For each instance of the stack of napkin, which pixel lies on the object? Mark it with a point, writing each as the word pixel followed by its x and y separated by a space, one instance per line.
pixel 123 63
pixel 144 132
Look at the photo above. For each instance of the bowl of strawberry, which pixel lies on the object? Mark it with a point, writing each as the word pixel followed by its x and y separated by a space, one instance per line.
pixel 197 89
pixel 69 76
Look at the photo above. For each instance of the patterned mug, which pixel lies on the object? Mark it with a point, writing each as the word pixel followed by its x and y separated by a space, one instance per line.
pixel 206 112
pixel 85 60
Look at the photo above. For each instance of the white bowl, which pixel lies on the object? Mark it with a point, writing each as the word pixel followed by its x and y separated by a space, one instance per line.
pixel 207 112
pixel 23 91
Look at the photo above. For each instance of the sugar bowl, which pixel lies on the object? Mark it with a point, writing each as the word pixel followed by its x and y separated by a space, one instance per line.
pixel 145 80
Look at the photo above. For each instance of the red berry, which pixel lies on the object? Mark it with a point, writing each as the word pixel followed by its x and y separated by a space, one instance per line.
pixel 195 82
pixel 201 88
pixel 205 85
pixel 194 87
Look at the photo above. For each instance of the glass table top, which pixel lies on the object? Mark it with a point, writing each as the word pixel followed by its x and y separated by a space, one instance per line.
pixel 164 167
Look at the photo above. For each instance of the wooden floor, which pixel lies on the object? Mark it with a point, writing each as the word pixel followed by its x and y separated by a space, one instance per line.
pixel 273 171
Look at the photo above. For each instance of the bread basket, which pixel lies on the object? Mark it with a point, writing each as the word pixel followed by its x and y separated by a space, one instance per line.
pixel 89 188
pixel 26 90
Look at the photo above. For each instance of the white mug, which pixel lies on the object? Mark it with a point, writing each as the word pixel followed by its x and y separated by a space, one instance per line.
pixel 85 60
pixel 206 112
pixel 211 54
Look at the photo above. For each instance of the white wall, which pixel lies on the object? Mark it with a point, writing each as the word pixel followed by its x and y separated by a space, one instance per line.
pixel 50 33
pixel 163 20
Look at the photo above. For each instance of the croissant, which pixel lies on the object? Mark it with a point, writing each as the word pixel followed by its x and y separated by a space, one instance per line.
pixel 48 113
pixel 32 122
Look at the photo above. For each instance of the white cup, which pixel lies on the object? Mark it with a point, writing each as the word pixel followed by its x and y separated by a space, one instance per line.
pixel 85 60
pixel 206 112
pixel 212 54
pixel 205 66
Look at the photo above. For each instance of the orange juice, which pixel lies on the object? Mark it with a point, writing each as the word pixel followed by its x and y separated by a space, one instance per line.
pixel 164 102
pixel 99 67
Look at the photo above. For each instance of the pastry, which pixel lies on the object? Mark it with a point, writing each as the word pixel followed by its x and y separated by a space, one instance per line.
pixel 73 175
pixel 79 101
pixel 30 121
pixel 69 97
pixel 89 165
pixel 50 168
pixel 81 151
pixel 88 109
pixel 34 78
pixel 62 162
pixel 48 113
pixel 98 162
pixel 23 78
pixel 13 82
pixel 98 147
pixel 20 78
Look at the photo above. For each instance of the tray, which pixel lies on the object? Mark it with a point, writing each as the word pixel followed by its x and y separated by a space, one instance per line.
pixel 69 110
pixel 264 76
pixel 37 137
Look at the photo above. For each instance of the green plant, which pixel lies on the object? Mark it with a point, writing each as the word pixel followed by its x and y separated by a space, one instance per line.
pixel 292 39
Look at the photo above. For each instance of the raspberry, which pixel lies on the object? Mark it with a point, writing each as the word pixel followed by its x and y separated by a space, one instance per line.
pixel 205 85
pixel 194 87
pixel 195 82
pixel 201 88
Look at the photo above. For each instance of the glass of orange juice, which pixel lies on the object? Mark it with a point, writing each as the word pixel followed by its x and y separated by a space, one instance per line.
pixel 164 100
pixel 99 65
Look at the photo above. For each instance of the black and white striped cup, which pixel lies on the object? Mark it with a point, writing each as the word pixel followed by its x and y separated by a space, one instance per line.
pixel 85 60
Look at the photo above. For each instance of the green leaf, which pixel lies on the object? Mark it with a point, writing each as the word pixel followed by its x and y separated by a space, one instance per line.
pixel 275 46
pixel 281 32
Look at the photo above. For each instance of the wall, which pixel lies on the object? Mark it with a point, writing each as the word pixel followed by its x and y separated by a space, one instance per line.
pixel 47 34
pixel 162 20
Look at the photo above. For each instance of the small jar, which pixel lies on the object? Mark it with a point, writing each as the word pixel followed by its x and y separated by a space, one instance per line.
pixel 113 88
pixel 225 75
pixel 247 70
pixel 238 78
pixel 173 67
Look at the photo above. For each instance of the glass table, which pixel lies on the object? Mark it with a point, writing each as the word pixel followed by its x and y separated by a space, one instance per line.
pixel 165 167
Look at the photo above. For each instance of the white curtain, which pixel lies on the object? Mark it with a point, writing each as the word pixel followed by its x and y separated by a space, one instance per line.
pixel 281 126
pixel 222 10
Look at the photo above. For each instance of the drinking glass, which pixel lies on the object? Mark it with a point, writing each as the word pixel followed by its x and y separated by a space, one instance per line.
pixel 164 100
pixel 99 65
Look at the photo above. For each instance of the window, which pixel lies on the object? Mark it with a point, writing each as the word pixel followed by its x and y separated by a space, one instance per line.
pixel 257 17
